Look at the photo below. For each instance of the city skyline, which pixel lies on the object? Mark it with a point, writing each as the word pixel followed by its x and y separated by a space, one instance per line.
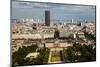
pixel 64 12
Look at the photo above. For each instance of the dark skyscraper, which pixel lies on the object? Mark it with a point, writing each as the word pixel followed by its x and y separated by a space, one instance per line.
pixel 47 18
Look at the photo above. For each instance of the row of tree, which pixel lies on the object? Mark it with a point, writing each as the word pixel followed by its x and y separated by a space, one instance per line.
pixel 89 36
pixel 44 55
pixel 80 53
pixel 18 57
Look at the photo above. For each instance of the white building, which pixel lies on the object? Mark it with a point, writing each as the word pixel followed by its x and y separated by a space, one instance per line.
pixel 26 36
pixel 48 35
pixel 32 55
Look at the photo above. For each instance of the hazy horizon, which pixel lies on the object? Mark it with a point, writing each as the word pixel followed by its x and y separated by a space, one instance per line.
pixel 57 11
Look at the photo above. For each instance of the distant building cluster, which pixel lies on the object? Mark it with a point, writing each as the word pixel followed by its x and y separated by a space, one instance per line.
pixel 39 30
pixel 48 31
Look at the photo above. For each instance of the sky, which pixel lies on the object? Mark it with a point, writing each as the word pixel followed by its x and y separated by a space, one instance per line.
pixel 57 11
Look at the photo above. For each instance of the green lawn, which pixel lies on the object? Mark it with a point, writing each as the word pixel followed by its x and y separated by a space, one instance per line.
pixel 55 56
